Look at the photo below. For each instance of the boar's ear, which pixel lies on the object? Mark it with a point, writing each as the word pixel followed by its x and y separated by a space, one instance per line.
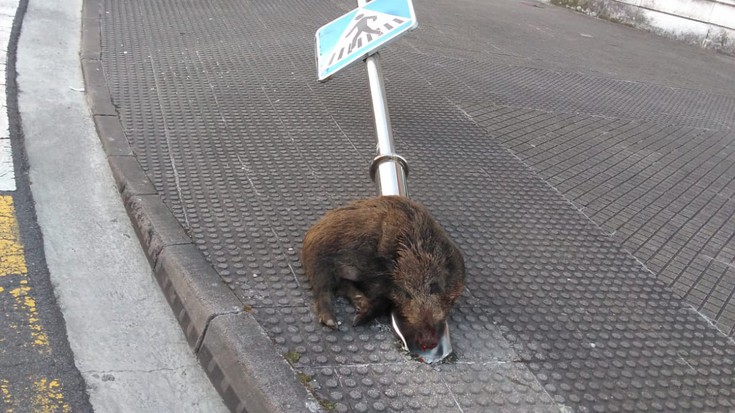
pixel 459 257
pixel 451 265
pixel 454 263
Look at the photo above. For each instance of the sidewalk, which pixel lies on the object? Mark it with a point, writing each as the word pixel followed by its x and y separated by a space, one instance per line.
pixel 584 168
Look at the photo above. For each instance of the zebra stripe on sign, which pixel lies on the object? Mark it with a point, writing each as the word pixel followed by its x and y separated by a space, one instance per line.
pixel 364 29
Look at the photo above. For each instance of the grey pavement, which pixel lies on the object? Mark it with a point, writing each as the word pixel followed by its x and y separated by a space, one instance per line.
pixel 584 168
pixel 126 343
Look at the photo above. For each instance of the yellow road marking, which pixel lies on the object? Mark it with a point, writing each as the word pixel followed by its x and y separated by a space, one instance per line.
pixel 23 298
pixel 12 259
pixel 48 397
pixel 47 394
pixel 12 262
pixel 6 397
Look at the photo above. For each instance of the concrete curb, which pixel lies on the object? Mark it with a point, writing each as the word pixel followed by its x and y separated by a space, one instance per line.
pixel 236 353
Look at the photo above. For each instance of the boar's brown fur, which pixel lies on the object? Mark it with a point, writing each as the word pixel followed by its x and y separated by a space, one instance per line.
pixel 385 253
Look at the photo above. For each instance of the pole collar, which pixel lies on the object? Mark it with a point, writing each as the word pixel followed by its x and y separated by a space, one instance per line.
pixel 388 157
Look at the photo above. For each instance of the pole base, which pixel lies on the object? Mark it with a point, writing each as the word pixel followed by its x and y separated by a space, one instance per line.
pixel 436 354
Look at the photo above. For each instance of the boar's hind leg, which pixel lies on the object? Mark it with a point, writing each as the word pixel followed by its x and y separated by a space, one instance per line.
pixel 324 309
pixel 323 284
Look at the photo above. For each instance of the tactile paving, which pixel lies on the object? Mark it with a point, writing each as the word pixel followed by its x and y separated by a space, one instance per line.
pixel 472 82
pixel 663 190
pixel 221 107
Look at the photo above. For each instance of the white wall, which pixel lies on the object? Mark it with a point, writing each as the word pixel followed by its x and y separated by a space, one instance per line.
pixel 708 23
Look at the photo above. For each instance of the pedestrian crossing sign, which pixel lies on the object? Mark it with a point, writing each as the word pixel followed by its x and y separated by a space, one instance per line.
pixel 361 32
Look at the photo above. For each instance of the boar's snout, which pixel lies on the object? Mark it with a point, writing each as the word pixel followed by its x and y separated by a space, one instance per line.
pixel 420 336
pixel 428 338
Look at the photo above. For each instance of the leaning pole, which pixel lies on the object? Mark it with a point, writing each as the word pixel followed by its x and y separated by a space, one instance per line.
pixel 388 170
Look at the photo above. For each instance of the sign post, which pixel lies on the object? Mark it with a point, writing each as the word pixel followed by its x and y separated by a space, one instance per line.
pixel 356 36
pixel 388 170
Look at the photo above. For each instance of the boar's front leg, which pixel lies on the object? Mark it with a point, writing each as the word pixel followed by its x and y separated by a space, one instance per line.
pixel 363 306
pixel 367 304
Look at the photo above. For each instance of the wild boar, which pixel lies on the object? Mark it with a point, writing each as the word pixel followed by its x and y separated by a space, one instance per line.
pixel 385 254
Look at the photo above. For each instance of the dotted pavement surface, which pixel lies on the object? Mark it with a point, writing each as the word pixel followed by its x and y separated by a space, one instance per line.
pixel 220 105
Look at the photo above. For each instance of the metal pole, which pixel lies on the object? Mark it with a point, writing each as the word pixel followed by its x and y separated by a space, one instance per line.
pixel 388 170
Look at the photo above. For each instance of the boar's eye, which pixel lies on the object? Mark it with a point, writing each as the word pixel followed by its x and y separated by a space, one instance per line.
pixel 434 288
pixel 403 293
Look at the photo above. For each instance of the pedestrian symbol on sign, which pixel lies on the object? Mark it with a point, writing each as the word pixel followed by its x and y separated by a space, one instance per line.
pixel 360 32
pixel 362 27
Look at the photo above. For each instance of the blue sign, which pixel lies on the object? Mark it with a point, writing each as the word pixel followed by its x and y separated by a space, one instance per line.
pixel 360 32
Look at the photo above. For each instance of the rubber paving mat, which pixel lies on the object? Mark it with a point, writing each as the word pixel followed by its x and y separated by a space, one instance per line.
pixel 665 191
pixel 219 102
pixel 472 82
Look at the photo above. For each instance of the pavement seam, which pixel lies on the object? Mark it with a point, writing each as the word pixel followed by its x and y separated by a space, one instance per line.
pixel 177 368
pixel 244 366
